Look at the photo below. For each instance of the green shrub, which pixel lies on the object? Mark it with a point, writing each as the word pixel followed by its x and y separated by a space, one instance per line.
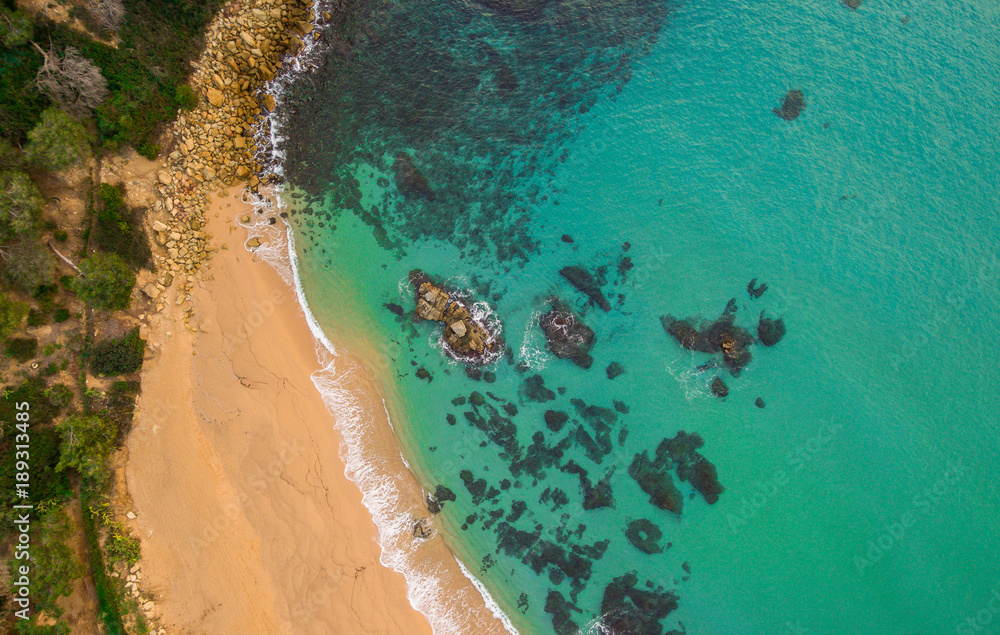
pixel 21 103
pixel 61 315
pixel 21 348
pixel 59 396
pixel 54 564
pixel 106 283
pixel 120 229
pixel 10 157
pixel 57 141
pixel 36 318
pixel 118 356
pixel 87 443
pixel 46 296
pixel 30 266
pixel 16 27
pixel 185 97
pixel 61 235
pixel 11 314
pixel 20 205
pixel 149 150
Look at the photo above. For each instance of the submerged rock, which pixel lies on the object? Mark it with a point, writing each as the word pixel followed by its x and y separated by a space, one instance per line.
pixel 626 610
pixel 411 181
pixel 854 5
pixel 555 419
pixel 527 9
pixel 770 331
pixel 719 387
pixel 614 369
pixel 559 607
pixel 566 335
pixel 644 536
pixel 464 336
pixel 759 403
pixel 793 105
pixel 690 465
pixel 654 478
pixel 584 282
pixel 756 291
pixel 533 389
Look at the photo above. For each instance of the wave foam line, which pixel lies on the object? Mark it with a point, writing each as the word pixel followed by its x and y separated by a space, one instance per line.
pixel 445 608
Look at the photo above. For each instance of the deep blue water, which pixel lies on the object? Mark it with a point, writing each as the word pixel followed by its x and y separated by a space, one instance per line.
pixel 863 497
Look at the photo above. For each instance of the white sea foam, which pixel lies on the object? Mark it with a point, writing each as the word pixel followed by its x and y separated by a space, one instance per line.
pixel 446 610
pixel 533 351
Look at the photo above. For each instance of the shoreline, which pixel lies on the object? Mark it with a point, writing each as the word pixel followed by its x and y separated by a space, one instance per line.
pixel 247 490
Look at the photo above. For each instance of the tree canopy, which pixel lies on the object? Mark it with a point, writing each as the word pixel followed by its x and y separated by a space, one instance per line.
pixel 20 205
pixel 57 141
pixel 106 283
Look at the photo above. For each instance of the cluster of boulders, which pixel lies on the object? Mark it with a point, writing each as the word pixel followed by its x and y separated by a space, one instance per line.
pixel 566 334
pixel 132 578
pixel 464 336
pixel 213 144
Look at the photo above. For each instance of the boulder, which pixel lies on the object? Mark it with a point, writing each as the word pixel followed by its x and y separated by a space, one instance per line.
pixel 770 331
pixel 566 335
pixel 644 536
pixel 215 97
pixel 793 105
pixel 719 387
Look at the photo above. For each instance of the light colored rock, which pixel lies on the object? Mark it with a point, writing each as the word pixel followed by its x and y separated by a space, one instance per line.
pixel 253 243
pixel 269 103
pixel 165 178
pixel 153 293
pixel 249 39
pixel 459 328
pixel 215 97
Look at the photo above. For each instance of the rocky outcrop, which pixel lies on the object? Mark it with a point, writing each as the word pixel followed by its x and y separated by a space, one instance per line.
pixel 770 331
pixel 464 337
pixel 792 107
pixel 586 283
pixel 721 336
pixel 566 335
pixel 719 387
pixel 756 290
pixel 628 610
pixel 410 181
pixel 653 476
pixel 681 452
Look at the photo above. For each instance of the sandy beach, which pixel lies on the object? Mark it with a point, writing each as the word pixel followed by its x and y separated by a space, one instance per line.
pixel 248 522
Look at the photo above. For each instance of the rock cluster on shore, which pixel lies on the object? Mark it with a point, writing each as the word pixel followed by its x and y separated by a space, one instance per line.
pixel 213 145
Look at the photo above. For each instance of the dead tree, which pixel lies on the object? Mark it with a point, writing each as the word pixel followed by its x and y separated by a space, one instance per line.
pixel 109 13
pixel 71 81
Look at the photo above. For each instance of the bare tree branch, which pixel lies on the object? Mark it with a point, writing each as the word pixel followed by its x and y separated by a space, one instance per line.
pixel 110 13
pixel 64 258
pixel 72 81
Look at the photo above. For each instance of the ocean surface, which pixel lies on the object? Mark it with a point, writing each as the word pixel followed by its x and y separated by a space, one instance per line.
pixel 863 496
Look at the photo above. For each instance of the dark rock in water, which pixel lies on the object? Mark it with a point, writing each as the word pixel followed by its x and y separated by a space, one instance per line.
pixel 526 9
pixel 626 610
pixel 560 609
pixel 723 336
pixel 410 181
pixel 478 488
pixel 854 4
pixel 585 283
pixel 395 308
pixel 594 497
pixel 443 494
pixel 566 335
pixel 770 331
pixel 489 377
pixel 517 508
pixel 534 389
pixel 620 406
pixel 614 369
pixel 625 265
pixel 756 291
pixel 759 403
pixel 451 419
pixel 686 334
pixel 476 398
pixel 433 506
pixel 458 401
pixel 510 409
pixel 554 420
pixel 719 387
pixel 644 535
pixel 793 105
pixel 654 479
pixel 423 374
pixel 473 373
pixel 691 466
pixel 566 238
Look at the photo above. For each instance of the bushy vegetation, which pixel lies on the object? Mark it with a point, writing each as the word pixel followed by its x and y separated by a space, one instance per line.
pixel 106 283
pixel 29 266
pixel 20 205
pixel 53 562
pixel 22 349
pixel 118 356
pixel 87 443
pixel 57 142
pixel 12 312
pixel 119 229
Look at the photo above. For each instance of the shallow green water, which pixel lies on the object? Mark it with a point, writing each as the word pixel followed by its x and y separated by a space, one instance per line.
pixel 863 497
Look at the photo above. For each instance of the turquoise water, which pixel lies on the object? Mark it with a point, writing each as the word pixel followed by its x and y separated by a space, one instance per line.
pixel 863 497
